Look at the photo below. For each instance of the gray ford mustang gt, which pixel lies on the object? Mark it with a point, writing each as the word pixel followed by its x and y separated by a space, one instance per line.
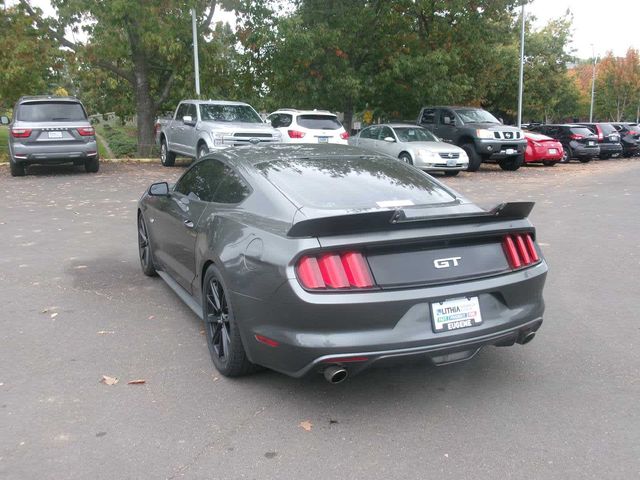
pixel 329 258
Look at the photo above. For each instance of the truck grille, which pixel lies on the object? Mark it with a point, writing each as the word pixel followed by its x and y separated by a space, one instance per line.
pixel 507 135
pixel 246 138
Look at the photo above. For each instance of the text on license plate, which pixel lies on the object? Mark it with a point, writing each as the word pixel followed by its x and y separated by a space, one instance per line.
pixel 553 151
pixel 55 134
pixel 511 151
pixel 591 144
pixel 455 313
pixel 323 139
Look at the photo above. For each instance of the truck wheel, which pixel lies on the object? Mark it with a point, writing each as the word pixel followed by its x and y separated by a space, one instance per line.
pixel 17 169
pixel 167 158
pixel 92 165
pixel 512 164
pixel 202 150
pixel 474 158
pixel 406 158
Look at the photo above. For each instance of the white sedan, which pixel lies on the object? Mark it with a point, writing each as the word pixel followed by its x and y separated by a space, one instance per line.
pixel 414 145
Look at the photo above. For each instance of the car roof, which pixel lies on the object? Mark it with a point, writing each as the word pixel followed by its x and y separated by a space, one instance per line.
pixel 303 112
pixel 39 98
pixel 395 125
pixel 468 107
pixel 214 102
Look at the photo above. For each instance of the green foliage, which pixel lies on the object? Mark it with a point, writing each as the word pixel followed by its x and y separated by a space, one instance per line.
pixel 121 139
pixel 4 144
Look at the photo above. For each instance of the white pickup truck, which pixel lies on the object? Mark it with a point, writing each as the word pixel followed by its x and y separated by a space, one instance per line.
pixel 201 126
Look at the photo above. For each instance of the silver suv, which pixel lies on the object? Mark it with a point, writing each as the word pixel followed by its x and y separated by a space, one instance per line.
pixel 51 130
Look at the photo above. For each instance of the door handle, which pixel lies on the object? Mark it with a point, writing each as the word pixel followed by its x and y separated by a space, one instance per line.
pixel 188 224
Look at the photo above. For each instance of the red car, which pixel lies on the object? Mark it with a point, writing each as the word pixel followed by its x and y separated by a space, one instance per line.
pixel 541 148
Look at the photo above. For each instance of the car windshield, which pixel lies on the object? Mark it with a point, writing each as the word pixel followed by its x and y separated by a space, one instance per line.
pixel 413 134
pixel 51 112
pixel 353 183
pixel 476 115
pixel 319 122
pixel 582 131
pixel 607 128
pixel 229 113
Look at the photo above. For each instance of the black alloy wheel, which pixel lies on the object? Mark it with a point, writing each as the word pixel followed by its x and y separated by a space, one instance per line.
pixel 566 155
pixel 221 329
pixel 144 249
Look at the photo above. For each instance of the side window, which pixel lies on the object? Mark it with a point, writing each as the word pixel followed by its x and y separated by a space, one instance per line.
pixel 386 132
pixel 366 133
pixel 232 189
pixel 182 109
pixel 201 181
pixel 374 132
pixel 191 111
pixel 428 116
pixel 447 117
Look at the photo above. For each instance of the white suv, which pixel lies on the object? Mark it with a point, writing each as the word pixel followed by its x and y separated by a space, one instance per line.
pixel 308 126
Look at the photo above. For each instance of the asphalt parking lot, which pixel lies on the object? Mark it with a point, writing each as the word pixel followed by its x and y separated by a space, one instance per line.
pixel 75 306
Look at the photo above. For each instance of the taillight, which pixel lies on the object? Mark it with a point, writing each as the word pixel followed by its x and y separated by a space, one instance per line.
pixel 295 134
pixel 344 135
pixel 86 131
pixel 20 132
pixel 328 271
pixel 520 250
pixel 576 136
pixel 600 135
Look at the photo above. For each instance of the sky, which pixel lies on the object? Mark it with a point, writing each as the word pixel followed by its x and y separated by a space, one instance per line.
pixel 607 26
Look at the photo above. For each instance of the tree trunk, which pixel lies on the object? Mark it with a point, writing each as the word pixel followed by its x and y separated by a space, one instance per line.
pixel 348 115
pixel 145 106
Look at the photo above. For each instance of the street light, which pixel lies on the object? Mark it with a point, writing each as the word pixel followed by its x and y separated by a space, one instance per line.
pixel 521 84
pixel 593 83
pixel 196 62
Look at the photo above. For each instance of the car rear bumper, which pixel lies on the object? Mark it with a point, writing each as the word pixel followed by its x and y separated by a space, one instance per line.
pixel 315 330
pixel 610 148
pixel 582 151
pixel 29 154
pixel 543 153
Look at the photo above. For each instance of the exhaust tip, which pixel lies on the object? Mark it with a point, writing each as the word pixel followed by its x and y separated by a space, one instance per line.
pixel 526 337
pixel 335 374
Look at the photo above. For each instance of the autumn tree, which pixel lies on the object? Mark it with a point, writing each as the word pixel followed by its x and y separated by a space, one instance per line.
pixel 617 95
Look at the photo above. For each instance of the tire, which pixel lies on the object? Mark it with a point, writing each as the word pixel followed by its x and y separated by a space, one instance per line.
pixel 605 156
pixel 406 158
pixel 144 249
pixel 566 155
pixel 511 164
pixel 585 159
pixel 92 165
pixel 475 160
pixel 549 163
pixel 17 169
pixel 167 157
pixel 221 328
pixel 451 173
pixel 202 150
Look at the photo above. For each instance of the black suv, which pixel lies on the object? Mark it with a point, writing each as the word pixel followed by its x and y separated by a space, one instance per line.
pixel 577 140
pixel 629 137
pixel 608 139
pixel 481 135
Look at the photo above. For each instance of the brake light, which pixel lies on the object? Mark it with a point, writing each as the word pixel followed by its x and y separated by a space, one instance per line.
pixel 295 134
pixel 600 134
pixel 328 271
pixel 520 250
pixel 344 135
pixel 86 131
pixel 576 136
pixel 20 132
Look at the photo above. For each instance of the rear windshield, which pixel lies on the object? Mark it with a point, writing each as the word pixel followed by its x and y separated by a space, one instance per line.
pixel 51 112
pixel 229 113
pixel 581 131
pixel 353 183
pixel 607 128
pixel 320 122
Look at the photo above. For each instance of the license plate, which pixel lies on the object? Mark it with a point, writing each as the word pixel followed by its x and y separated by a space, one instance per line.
pixel 55 134
pixel 553 151
pixel 323 139
pixel 455 314
pixel 511 151
pixel 452 162
pixel 591 144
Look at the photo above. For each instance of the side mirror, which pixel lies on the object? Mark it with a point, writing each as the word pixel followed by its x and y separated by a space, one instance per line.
pixel 389 139
pixel 501 120
pixel 4 120
pixel 160 189
pixel 188 120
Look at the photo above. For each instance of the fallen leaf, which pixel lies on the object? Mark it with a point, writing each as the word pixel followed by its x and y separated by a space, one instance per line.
pixel 139 381
pixel 202 332
pixel 306 425
pixel 54 315
pixel 151 317
pixel 106 332
pixel 107 380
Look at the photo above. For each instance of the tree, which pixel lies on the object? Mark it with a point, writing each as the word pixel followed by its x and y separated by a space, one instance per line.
pixel 617 95
pixel 147 45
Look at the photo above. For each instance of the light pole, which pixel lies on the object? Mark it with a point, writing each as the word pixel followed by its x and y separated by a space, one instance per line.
pixel 196 62
pixel 593 84
pixel 521 84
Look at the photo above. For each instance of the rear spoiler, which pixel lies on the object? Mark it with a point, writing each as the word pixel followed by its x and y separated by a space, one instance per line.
pixel 390 219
